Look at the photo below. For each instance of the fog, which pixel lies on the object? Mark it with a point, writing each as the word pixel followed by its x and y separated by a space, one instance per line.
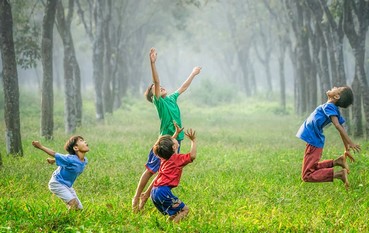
pixel 209 34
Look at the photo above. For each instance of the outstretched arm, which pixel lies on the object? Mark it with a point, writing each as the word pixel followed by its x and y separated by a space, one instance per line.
pixel 188 81
pixel 48 151
pixel 155 76
pixel 348 143
pixel 191 134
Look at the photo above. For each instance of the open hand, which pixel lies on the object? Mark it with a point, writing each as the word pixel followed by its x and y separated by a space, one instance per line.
pixel 153 55
pixel 348 154
pixel 191 134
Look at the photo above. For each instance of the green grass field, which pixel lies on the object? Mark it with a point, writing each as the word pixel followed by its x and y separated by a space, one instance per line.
pixel 246 177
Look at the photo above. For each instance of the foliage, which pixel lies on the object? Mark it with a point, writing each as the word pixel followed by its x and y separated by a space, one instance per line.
pixel 27 30
pixel 246 177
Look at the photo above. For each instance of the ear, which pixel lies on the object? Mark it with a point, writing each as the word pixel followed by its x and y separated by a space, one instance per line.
pixel 75 148
pixel 337 97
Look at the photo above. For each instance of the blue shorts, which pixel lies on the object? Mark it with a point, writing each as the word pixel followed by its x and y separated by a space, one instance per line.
pixel 165 201
pixel 153 161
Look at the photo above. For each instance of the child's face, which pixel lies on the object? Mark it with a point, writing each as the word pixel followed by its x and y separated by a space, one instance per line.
pixel 163 92
pixel 334 92
pixel 81 145
pixel 175 145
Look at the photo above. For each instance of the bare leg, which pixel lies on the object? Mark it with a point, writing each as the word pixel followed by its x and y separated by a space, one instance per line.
pixel 145 177
pixel 342 175
pixel 145 196
pixel 180 215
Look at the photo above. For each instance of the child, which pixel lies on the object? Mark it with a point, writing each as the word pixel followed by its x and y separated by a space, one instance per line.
pixel 170 174
pixel 69 168
pixel 168 112
pixel 311 131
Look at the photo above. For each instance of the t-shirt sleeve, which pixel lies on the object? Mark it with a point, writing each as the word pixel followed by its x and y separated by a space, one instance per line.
pixel 184 159
pixel 332 110
pixel 61 160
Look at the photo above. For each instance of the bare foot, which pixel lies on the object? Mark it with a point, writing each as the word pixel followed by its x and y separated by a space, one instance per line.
pixel 143 200
pixel 341 161
pixel 344 178
pixel 342 175
pixel 135 203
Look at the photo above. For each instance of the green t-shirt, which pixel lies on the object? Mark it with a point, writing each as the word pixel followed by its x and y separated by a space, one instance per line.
pixel 168 111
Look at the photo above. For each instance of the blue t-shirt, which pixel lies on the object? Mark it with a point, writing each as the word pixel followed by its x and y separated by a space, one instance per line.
pixel 69 168
pixel 168 111
pixel 311 131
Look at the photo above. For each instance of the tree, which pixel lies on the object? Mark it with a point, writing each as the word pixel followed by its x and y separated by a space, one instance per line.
pixel 47 100
pixel 357 39
pixel 10 81
pixel 72 79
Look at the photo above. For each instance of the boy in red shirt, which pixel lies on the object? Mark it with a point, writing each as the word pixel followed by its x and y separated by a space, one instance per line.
pixel 170 174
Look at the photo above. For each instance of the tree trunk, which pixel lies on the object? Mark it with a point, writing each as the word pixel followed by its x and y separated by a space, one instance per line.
pixel 107 82
pixel 10 82
pixel 72 86
pixel 47 100
pixel 97 60
pixel 357 42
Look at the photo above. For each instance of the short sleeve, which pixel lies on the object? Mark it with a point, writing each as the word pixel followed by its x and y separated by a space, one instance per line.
pixel 332 110
pixel 61 160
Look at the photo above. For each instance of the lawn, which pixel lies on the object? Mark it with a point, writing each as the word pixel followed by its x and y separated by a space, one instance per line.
pixel 246 177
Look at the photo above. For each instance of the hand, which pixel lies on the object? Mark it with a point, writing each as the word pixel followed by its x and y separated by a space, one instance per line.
pixel 354 147
pixel 196 70
pixel 178 129
pixel 153 55
pixel 191 134
pixel 348 154
pixel 36 144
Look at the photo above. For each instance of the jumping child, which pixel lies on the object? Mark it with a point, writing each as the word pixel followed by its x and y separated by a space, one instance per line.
pixel 311 131
pixel 169 175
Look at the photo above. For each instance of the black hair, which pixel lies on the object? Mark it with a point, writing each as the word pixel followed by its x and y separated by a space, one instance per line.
pixel 72 141
pixel 149 94
pixel 164 147
pixel 346 98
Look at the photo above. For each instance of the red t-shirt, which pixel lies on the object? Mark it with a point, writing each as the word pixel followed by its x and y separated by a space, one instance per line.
pixel 171 170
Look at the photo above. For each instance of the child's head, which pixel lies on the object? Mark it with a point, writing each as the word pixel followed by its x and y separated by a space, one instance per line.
pixel 71 143
pixel 149 93
pixel 165 147
pixel 346 97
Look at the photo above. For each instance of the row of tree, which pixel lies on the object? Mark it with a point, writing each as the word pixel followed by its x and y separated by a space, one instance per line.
pixel 310 37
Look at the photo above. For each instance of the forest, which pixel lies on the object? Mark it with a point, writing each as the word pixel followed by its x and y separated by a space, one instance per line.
pixel 81 67
pixel 297 48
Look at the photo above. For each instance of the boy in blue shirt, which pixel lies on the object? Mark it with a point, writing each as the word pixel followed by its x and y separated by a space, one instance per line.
pixel 69 168
pixel 311 131
pixel 168 112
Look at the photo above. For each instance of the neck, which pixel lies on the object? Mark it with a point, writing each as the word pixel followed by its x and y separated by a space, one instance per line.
pixel 81 156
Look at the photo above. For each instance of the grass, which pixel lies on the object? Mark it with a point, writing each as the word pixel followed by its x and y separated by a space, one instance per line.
pixel 246 177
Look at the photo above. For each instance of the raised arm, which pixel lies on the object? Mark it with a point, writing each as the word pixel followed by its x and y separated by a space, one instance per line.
pixel 191 134
pixel 48 151
pixel 188 81
pixel 155 76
